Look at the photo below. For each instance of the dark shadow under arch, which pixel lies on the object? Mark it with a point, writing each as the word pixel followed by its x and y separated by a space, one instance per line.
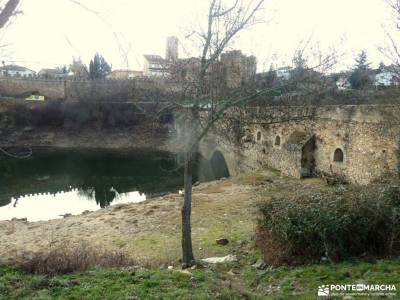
pixel 307 158
pixel 218 165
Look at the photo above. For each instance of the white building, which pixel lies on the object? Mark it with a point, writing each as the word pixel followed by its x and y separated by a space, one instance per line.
pixel 283 73
pixel 156 66
pixel 343 82
pixel 16 71
pixel 386 78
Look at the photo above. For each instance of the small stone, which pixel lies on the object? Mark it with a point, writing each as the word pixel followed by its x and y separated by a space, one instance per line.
pixel 222 241
pixel 260 264
pixel 27 128
pixel 224 259
pixel 324 259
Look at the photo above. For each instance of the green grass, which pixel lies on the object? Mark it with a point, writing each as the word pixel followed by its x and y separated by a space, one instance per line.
pixel 233 281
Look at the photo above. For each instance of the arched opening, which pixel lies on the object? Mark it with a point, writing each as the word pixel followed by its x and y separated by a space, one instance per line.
pixel 277 140
pixel 258 135
pixel 338 155
pixel 218 165
pixel 307 158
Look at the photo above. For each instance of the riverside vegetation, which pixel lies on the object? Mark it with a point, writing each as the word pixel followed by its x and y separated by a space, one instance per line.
pixel 138 266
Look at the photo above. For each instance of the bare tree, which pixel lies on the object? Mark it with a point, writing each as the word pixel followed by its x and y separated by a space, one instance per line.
pixel 214 107
pixel 9 10
pixel 223 24
pixel 391 50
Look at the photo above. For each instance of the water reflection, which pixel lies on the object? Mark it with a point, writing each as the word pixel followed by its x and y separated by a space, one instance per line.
pixel 51 184
pixel 51 206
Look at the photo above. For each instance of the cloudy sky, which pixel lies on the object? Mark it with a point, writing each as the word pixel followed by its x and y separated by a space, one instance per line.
pixel 51 32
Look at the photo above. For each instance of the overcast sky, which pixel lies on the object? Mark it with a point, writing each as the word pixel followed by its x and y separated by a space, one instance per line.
pixel 51 32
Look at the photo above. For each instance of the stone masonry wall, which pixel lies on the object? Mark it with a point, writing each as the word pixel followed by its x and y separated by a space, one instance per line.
pixel 140 89
pixel 368 136
pixel 17 87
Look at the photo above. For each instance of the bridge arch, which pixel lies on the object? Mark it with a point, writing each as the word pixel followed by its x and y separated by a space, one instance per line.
pixel 218 164
pixel 221 162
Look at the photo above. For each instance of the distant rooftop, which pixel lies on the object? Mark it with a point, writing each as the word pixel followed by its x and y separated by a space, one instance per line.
pixel 15 68
pixel 154 58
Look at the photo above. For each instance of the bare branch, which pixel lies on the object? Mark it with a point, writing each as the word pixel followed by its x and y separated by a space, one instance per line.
pixel 9 10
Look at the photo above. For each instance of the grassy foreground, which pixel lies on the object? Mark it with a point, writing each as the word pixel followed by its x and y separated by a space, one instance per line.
pixel 224 209
pixel 234 281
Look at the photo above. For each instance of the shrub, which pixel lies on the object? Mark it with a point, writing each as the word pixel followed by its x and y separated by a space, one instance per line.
pixel 49 113
pixel 22 115
pixel 344 222
pixel 76 115
pixel 65 259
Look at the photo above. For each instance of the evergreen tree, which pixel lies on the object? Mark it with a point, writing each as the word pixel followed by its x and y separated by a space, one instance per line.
pixel 360 76
pixel 381 67
pixel 270 77
pixel 98 67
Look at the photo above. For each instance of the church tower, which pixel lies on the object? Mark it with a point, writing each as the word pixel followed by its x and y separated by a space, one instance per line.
pixel 172 48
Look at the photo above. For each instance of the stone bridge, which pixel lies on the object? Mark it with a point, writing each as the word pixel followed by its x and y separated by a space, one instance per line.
pixel 359 143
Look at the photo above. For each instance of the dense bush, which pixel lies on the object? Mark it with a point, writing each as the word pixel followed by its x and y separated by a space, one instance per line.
pixel 343 222
pixel 43 114
pixel 100 115
pixel 73 115
pixel 77 115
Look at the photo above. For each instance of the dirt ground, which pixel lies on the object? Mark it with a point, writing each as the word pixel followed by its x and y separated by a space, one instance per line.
pixel 150 231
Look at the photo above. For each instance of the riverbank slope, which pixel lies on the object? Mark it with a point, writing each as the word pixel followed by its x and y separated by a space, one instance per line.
pixel 150 233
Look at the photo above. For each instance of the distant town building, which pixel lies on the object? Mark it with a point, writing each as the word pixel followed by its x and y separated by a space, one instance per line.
pixel 185 69
pixel 238 68
pixel 156 66
pixel 172 49
pixel 386 77
pixel 16 71
pixel 55 73
pixel 342 81
pixel 234 68
pixel 283 73
pixel 124 74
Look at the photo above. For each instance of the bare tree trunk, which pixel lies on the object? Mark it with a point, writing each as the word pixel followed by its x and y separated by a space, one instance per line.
pixel 187 250
pixel 9 10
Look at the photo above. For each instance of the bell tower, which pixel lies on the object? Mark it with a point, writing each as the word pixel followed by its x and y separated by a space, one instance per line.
pixel 172 48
